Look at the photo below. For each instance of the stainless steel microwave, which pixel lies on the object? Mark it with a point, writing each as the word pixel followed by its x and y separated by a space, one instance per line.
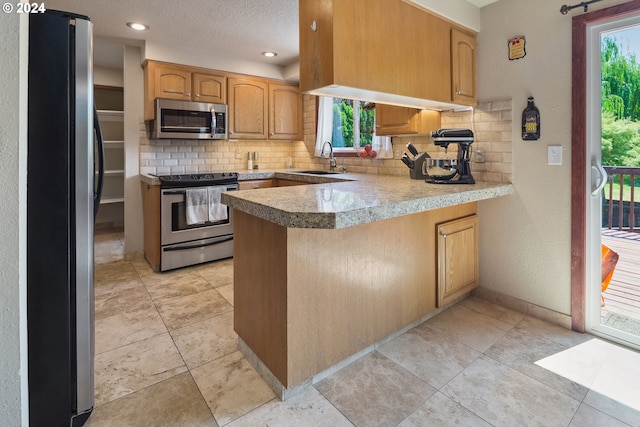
pixel 189 120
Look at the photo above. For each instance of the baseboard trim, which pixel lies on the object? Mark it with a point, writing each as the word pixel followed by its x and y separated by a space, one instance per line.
pixel 524 307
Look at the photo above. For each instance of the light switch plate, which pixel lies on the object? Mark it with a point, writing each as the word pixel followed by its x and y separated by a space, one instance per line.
pixel 554 155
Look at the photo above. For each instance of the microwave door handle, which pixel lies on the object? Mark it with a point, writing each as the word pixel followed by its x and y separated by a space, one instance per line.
pixel 214 123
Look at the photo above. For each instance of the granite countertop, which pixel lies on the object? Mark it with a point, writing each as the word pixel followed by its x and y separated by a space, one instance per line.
pixel 344 200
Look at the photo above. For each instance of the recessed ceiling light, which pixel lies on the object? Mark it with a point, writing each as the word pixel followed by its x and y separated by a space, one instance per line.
pixel 269 54
pixel 137 26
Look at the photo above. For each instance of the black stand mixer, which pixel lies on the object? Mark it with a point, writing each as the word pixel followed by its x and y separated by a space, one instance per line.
pixel 451 171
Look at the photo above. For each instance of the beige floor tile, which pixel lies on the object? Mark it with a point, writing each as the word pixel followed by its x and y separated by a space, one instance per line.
pixel 586 416
pixel 126 328
pixel 136 366
pixel 205 341
pixel 309 408
pixel 505 397
pixel 124 301
pixel 566 337
pixel 168 287
pixel 520 349
pixel 441 411
pixel 430 355
pixel 231 387
pixel 115 276
pixel 182 311
pixel 374 391
pixel 493 310
pixel 172 402
pixel 473 329
pixel 217 273
pixel 613 408
pixel 107 248
pixel 227 292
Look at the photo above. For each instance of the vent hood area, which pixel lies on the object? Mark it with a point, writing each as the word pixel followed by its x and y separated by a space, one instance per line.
pixel 391 52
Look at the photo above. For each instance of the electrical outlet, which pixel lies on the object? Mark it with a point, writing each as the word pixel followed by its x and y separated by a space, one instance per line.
pixel 554 155
pixel 480 155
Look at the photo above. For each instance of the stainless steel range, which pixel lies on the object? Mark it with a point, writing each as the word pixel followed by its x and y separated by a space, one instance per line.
pixel 184 242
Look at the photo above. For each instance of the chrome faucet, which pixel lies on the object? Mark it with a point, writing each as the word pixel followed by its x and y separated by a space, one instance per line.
pixel 332 160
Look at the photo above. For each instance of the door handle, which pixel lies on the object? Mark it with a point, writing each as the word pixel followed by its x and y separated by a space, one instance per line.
pixel 597 167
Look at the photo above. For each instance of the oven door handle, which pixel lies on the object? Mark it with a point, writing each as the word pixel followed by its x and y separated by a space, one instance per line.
pixel 183 192
pixel 198 245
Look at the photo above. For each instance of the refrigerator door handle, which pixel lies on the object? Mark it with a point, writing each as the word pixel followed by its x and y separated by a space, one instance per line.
pixel 97 196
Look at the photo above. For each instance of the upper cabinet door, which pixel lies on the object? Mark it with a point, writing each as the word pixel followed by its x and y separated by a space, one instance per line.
pixel 248 108
pixel 285 112
pixel 209 88
pixel 463 68
pixel 172 82
pixel 392 120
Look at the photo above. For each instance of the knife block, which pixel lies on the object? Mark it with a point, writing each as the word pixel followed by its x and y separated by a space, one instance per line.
pixel 418 163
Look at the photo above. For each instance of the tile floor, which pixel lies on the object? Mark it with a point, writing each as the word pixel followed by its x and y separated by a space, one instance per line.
pixel 166 355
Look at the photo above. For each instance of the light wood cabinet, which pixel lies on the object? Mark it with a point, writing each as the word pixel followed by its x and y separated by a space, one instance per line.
pixel 288 182
pixel 209 88
pixel 151 227
pixel 258 108
pixel 392 120
pixel 457 258
pixel 248 108
pixel 298 316
pixel 173 81
pixel 391 46
pixel 254 184
pixel 285 112
pixel 463 67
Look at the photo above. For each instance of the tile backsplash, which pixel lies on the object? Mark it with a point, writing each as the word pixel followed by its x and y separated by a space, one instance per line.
pixel 491 122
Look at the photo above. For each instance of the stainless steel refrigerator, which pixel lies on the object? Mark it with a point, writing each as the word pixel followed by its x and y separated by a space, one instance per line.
pixel 61 201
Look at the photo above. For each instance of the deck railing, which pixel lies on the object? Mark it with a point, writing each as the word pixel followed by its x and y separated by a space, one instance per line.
pixel 619 210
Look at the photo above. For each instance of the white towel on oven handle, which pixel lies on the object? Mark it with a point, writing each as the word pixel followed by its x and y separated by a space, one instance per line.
pixel 217 211
pixel 197 205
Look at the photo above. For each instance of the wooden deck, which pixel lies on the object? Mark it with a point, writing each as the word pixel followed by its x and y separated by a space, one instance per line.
pixel 623 294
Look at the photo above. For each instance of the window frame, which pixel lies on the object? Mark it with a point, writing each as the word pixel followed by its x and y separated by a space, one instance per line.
pixel 345 151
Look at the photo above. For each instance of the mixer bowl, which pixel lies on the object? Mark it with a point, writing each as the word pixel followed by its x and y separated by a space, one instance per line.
pixel 440 168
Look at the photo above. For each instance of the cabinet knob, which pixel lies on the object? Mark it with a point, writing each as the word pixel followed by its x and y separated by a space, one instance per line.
pixel 443 234
pixel 458 92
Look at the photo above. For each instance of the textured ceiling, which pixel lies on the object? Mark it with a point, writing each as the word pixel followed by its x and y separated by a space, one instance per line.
pixel 239 29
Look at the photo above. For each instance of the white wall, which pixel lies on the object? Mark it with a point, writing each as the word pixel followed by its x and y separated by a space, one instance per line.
pixel 460 11
pixel 107 76
pixel 134 115
pixel 525 239
pixel 207 60
pixel 13 143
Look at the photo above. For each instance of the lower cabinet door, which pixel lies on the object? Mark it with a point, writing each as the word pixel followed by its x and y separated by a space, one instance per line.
pixel 457 258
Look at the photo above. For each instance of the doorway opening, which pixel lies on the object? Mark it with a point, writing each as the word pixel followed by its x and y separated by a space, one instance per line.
pixel 613 157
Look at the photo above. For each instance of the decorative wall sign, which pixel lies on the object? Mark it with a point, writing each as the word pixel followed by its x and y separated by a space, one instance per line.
pixel 517 48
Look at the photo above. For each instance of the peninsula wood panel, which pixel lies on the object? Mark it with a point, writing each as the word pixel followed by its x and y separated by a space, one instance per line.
pixel 260 289
pixel 305 299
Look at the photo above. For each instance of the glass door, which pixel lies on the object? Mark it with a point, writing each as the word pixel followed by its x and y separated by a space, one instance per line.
pixel 613 273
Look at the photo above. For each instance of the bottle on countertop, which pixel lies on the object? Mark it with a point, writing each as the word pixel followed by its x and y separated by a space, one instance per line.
pixel 250 161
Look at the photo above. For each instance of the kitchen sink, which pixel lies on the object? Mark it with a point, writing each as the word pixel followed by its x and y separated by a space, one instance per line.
pixel 318 172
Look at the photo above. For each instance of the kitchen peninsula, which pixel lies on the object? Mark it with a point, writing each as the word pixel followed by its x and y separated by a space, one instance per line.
pixel 323 272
